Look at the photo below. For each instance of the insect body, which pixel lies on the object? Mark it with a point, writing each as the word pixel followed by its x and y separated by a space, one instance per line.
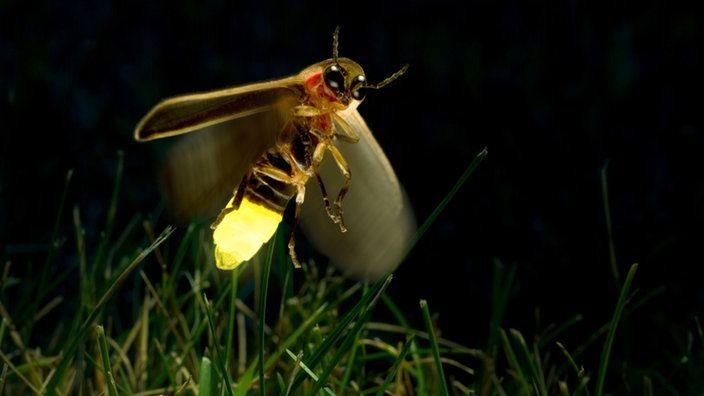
pixel 267 140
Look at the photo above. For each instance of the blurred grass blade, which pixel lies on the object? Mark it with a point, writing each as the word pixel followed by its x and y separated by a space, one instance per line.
pixel 434 345
pixel 3 377
pixel 206 386
pixel 606 352
pixel 550 336
pixel 530 359
pixel 105 236
pixel 218 353
pixel 72 346
pixel 579 372
pixel 401 319
pixel 18 373
pixel 500 291
pixel 53 243
pixel 607 218
pixel 394 368
pixel 105 357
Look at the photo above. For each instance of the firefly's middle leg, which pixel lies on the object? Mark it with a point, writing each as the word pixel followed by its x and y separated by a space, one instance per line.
pixel 326 200
pixel 347 174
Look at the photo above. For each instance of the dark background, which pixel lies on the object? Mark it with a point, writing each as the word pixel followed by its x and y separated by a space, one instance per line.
pixel 554 92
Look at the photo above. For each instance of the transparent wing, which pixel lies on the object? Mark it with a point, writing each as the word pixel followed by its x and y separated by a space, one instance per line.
pixel 377 213
pixel 191 112
pixel 202 170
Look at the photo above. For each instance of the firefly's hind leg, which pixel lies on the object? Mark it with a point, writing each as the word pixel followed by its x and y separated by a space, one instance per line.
pixel 239 194
pixel 279 175
pixel 236 201
pixel 347 174
pixel 300 197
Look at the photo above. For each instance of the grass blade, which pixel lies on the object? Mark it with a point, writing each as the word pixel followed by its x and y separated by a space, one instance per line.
pixel 206 386
pixel 397 363
pixel 532 361
pixel 578 371
pixel 234 278
pixel 513 362
pixel 310 373
pixel 105 236
pixel 607 218
pixel 19 375
pixel 606 352
pixel 262 311
pixel 246 379
pixel 218 353
pixel 434 346
pixel 436 212
pixel 339 329
pixel 70 350
pixel 500 291
pixel 351 336
pixel 105 356
pixel 401 319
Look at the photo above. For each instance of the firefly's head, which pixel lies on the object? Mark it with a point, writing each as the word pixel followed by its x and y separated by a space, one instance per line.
pixel 340 82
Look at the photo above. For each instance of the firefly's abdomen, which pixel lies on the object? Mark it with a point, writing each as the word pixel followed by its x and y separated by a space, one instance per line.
pixel 240 231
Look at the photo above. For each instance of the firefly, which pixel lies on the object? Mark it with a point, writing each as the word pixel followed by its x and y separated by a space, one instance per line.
pixel 265 144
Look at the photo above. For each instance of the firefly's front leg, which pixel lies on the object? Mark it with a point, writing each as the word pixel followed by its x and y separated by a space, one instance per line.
pixel 347 174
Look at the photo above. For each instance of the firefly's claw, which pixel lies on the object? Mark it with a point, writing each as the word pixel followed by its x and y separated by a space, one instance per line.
pixel 340 220
pixel 292 253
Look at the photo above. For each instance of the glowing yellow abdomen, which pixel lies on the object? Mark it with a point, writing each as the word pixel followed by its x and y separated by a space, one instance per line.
pixel 241 233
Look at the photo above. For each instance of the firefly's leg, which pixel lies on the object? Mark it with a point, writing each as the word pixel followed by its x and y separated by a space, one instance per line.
pixel 345 131
pixel 305 111
pixel 317 158
pixel 239 194
pixel 345 169
pixel 300 197
pixel 326 200
pixel 236 201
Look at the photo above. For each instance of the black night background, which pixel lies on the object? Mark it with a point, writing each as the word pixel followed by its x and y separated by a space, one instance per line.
pixel 563 96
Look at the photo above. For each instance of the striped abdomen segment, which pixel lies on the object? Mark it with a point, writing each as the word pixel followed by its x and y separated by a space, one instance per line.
pixel 252 215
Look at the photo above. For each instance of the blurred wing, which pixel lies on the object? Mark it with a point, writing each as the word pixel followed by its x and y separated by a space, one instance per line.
pixel 202 170
pixel 191 112
pixel 377 213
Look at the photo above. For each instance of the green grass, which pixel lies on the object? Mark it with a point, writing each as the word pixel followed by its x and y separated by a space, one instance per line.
pixel 133 313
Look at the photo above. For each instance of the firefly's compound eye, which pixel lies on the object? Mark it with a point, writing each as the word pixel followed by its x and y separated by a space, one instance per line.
pixel 334 78
pixel 357 88
pixel 358 93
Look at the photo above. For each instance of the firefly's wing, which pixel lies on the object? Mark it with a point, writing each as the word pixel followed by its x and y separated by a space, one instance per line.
pixel 191 112
pixel 379 218
pixel 236 126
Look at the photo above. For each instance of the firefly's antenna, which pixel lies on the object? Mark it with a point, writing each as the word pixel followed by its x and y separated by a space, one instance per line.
pixel 335 43
pixel 388 79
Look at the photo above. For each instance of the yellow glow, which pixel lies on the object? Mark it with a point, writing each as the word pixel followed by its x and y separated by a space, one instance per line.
pixel 242 232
